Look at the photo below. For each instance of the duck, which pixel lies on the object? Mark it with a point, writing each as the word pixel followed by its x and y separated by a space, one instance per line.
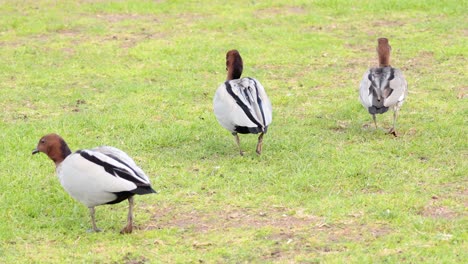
pixel 383 87
pixel 98 176
pixel 241 105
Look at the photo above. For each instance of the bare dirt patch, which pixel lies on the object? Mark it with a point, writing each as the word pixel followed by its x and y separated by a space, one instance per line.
pixel 438 212
pixel 230 218
pixel 77 106
pixel 288 227
pixel 388 23
pixel 354 232
pixel 462 93
pixel 130 259
pixel 435 208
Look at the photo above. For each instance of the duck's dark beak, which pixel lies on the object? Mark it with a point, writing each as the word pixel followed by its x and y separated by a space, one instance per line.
pixel 35 151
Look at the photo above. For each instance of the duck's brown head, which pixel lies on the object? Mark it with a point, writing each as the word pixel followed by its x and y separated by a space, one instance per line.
pixel 234 65
pixel 53 146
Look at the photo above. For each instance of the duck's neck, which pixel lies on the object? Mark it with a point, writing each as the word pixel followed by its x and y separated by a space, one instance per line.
pixel 58 154
pixel 234 67
pixel 383 51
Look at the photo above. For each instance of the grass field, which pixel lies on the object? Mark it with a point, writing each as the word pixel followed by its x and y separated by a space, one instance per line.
pixel 328 188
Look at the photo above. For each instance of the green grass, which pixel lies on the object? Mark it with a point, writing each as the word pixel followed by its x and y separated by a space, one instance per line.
pixel 141 75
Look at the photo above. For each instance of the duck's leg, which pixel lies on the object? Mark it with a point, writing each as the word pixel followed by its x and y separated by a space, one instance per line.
pixel 375 120
pixel 238 143
pixel 93 221
pixel 260 143
pixel 395 116
pixel 129 227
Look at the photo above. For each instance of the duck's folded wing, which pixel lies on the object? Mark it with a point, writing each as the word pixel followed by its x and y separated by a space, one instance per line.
pixel 113 167
pixel 230 110
pixel 122 157
pixel 263 102
pixel 365 95
pixel 90 180
pixel 250 95
pixel 398 86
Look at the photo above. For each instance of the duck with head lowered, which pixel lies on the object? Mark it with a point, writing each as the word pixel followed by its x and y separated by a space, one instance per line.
pixel 383 87
pixel 241 105
pixel 103 175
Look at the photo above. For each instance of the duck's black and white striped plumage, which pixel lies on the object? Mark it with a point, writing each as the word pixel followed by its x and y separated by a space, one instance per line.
pixel 103 175
pixel 241 105
pixel 383 87
pixel 113 178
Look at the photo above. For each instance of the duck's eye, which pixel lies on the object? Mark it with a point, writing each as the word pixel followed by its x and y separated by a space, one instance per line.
pixel 42 141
